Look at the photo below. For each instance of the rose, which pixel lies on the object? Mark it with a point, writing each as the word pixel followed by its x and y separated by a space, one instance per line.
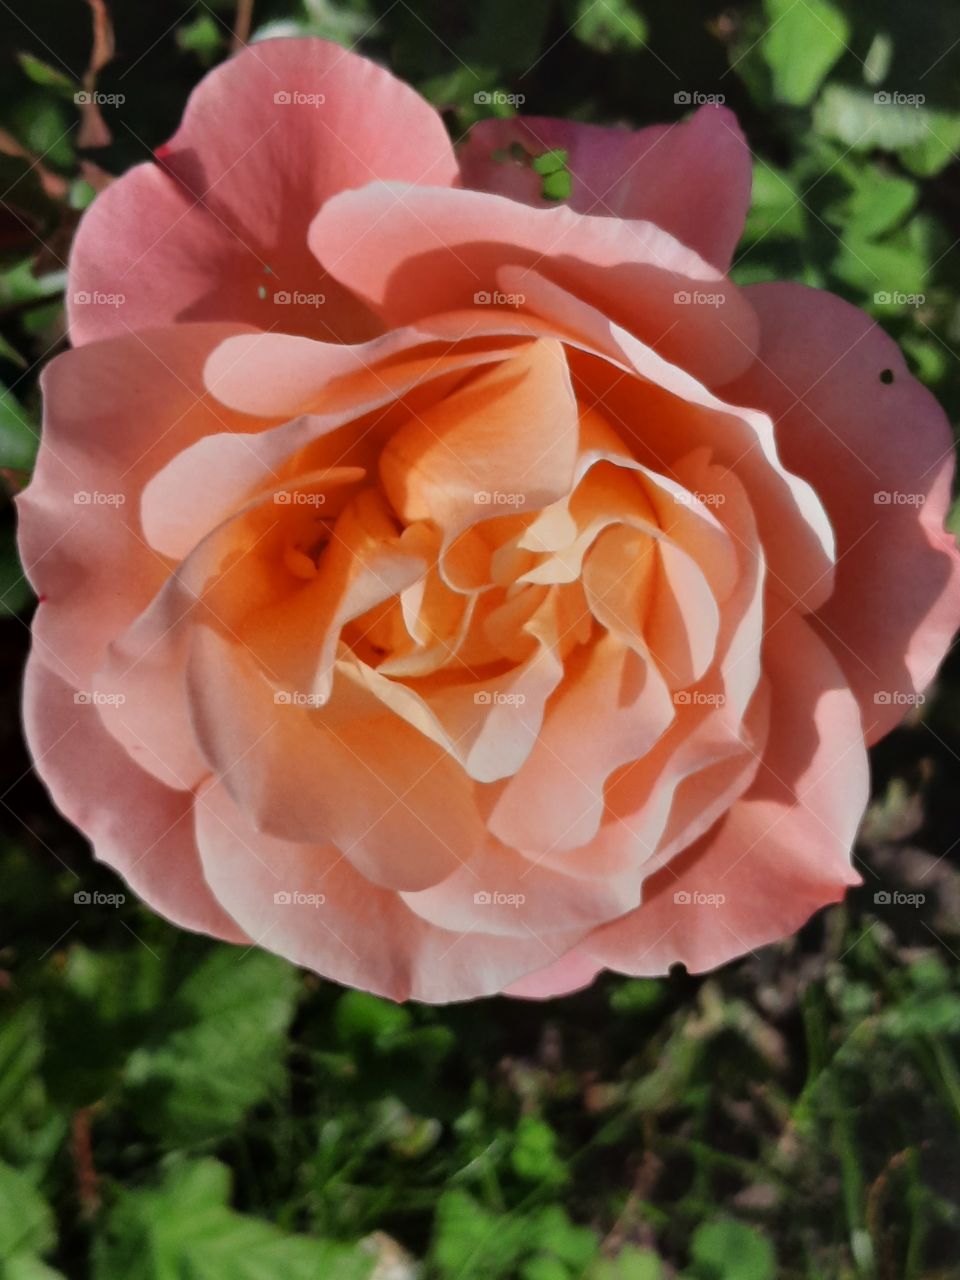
pixel 678 623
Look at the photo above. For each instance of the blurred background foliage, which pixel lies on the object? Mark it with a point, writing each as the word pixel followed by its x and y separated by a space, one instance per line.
pixel 175 1109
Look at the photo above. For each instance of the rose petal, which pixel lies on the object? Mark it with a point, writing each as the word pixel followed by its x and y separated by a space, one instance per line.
pixel 782 851
pixel 860 441
pixel 693 179
pixel 137 826
pixel 218 228
pixel 414 252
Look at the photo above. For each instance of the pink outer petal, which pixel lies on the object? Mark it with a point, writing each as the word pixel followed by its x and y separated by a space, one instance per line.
pixel 858 440
pixel 223 218
pixel 693 179
pixel 137 826
pixel 115 413
pixel 783 851
pixel 361 934
pixel 414 252
pixel 572 972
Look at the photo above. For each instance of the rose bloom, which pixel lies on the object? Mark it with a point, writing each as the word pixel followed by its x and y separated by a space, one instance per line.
pixel 455 590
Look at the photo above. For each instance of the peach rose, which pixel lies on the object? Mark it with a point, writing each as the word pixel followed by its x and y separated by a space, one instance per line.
pixel 456 594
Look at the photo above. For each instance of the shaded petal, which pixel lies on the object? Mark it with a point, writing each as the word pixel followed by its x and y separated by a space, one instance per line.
pixel 350 774
pixel 361 934
pixel 218 227
pixel 782 851
pixel 414 252
pixel 137 826
pixel 880 456
pixel 115 413
pixel 693 178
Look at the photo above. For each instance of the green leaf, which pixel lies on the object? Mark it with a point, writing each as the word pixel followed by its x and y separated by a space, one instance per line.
pixel 27 1267
pixel 47 77
pixel 15 593
pixel 219 1047
pixel 469 1242
pixel 609 25
pixel 637 995
pixel 534 1155
pixel 26 1220
pixel 203 37
pixel 42 124
pixel 185 1230
pixel 563 1239
pixel 776 210
pixel 878 201
pixel 18 433
pixel 729 1250
pixel 556 179
pixel 802 42
pixel 630 1264
pixel 363 1019
pixel 924 139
